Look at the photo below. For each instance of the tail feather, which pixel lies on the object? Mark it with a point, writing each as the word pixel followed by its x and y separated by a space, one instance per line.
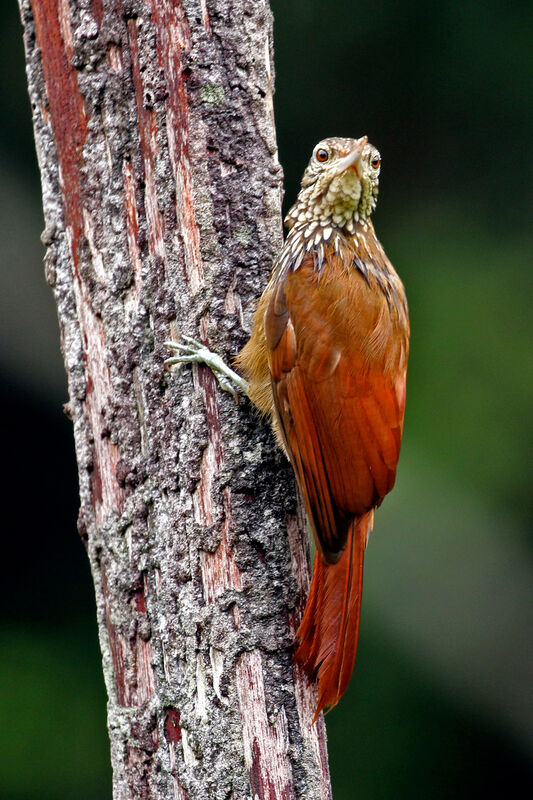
pixel 327 636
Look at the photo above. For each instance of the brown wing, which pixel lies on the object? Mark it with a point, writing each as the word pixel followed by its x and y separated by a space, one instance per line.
pixel 338 361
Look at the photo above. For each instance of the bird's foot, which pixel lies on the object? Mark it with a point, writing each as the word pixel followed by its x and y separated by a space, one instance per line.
pixel 191 351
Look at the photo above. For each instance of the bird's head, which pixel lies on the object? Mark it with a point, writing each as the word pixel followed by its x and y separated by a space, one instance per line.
pixel 340 184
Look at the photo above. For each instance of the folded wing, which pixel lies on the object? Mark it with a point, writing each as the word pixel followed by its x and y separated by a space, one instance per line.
pixel 339 396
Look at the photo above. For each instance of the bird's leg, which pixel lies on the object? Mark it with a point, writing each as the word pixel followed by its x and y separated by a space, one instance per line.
pixel 191 351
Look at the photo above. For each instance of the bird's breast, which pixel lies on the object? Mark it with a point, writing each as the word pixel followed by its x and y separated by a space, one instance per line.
pixel 352 306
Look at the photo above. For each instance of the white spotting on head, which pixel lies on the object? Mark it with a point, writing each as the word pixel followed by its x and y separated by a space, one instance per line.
pixel 336 199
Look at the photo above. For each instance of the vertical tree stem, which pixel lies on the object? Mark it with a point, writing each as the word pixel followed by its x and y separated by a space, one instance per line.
pixel 161 189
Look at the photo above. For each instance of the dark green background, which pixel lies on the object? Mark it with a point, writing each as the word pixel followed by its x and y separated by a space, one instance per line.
pixel 440 705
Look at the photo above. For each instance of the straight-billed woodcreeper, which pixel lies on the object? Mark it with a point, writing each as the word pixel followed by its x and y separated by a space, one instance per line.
pixel 327 362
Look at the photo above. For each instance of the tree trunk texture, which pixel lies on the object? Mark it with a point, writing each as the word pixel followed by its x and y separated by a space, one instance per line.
pixel 161 189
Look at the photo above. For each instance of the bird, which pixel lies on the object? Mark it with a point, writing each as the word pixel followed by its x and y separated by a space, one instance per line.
pixel 326 362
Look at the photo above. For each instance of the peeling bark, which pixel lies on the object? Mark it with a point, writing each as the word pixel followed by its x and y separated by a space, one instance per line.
pixel 161 190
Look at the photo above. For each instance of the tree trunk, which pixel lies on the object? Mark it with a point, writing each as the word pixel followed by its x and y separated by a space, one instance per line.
pixel 161 189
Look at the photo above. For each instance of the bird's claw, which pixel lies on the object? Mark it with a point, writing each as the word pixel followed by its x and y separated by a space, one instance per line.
pixel 192 351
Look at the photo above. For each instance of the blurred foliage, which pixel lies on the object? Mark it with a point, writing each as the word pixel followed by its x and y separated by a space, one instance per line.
pixel 56 746
pixel 471 343
pixel 445 91
pixel 403 738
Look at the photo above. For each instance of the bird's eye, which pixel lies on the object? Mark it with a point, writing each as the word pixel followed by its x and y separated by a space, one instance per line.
pixel 322 155
pixel 376 161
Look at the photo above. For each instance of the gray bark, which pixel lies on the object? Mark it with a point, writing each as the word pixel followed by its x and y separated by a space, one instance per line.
pixel 161 190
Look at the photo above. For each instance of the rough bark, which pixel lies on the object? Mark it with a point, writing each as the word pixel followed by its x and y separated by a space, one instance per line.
pixel 161 190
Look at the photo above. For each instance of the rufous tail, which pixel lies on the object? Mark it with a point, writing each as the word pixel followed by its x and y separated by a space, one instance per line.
pixel 327 636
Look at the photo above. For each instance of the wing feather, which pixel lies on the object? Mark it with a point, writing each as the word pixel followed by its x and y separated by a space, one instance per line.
pixel 340 411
